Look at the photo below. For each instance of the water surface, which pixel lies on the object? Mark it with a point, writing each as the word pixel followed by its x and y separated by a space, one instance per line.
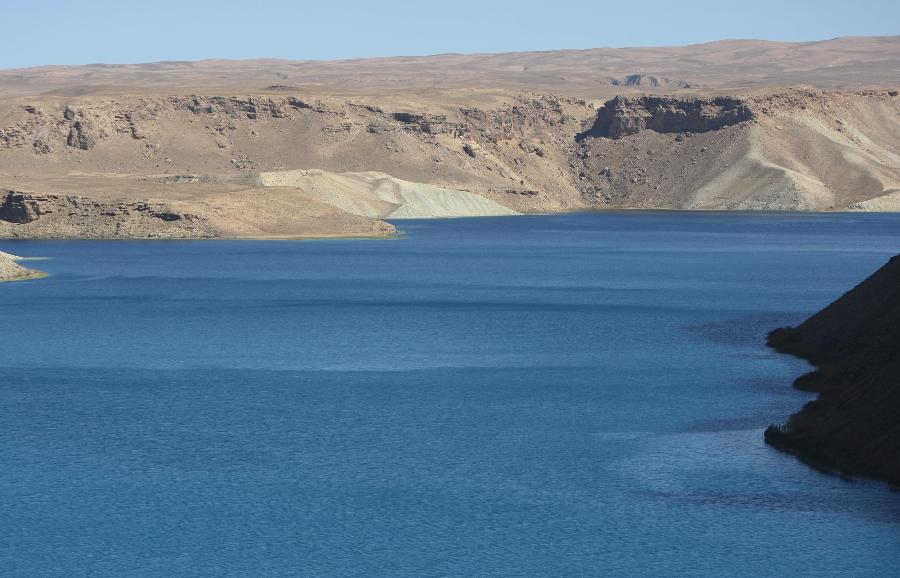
pixel 560 395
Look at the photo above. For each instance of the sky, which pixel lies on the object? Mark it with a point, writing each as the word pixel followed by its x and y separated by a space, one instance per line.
pixel 39 32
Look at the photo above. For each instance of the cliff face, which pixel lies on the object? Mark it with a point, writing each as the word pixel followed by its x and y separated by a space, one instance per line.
pixel 854 425
pixel 626 116
pixel 791 150
pixel 25 215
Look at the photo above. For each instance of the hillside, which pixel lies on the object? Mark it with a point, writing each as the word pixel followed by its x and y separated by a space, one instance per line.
pixel 282 149
pixel 855 344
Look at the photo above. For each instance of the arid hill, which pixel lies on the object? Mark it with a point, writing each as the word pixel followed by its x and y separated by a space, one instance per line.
pixel 286 149
pixel 728 65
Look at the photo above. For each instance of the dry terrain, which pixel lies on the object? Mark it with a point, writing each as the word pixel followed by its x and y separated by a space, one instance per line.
pixel 301 149
pixel 729 65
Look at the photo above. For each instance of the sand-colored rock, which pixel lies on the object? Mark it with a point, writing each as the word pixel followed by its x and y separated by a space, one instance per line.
pixel 380 195
pixel 889 202
pixel 12 271
pixel 246 213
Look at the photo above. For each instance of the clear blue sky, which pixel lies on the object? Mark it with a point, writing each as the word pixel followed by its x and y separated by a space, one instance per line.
pixel 37 32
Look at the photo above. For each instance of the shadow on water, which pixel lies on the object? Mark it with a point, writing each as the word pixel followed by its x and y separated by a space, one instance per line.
pixel 886 511
pixel 746 330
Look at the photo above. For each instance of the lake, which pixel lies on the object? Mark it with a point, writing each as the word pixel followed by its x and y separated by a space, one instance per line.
pixel 573 395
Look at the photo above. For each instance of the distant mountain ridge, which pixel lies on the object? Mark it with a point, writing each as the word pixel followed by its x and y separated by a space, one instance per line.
pixel 840 63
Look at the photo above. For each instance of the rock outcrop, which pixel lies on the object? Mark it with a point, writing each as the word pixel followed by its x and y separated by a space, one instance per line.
pixel 20 208
pixel 623 116
pixel 30 215
pixel 853 427
pixel 649 81
pixel 255 213
pixel 81 135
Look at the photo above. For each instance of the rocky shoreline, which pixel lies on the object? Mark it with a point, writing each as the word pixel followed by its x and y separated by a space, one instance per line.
pixel 10 270
pixel 852 428
pixel 246 215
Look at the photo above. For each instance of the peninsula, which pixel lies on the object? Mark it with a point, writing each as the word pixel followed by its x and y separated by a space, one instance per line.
pixel 853 427
pixel 12 271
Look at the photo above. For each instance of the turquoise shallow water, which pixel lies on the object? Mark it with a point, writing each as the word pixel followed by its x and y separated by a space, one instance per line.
pixel 560 395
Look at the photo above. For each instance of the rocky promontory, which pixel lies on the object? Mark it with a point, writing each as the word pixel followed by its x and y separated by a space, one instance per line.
pixel 852 427
pixel 12 271
pixel 247 213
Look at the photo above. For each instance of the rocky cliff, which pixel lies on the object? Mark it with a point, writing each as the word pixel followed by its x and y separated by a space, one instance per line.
pixel 626 116
pixel 26 215
pixel 853 427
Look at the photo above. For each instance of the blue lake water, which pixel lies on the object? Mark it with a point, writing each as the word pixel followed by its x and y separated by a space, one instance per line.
pixel 573 395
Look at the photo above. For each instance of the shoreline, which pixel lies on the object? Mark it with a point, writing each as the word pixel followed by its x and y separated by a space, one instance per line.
pixel 850 429
pixel 783 437
pixel 779 436
pixel 11 271
pixel 398 233
pixel 30 276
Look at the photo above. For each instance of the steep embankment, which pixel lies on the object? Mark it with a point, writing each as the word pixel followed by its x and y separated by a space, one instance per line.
pixel 287 165
pixel 790 150
pixel 853 426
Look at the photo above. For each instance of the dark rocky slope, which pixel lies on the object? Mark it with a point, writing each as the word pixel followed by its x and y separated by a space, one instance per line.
pixel 853 427
pixel 626 116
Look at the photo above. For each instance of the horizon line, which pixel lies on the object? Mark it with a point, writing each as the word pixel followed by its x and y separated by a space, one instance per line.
pixel 443 54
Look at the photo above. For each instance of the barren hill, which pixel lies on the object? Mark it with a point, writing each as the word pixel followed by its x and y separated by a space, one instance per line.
pixel 281 149
pixel 840 63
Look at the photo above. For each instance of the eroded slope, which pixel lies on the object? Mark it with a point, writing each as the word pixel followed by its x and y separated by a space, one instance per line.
pixel 340 164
